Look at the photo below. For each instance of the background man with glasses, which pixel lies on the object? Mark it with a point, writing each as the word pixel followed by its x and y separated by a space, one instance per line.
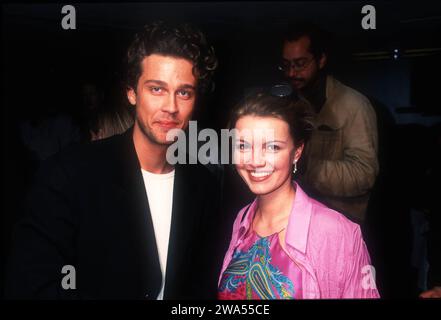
pixel 340 164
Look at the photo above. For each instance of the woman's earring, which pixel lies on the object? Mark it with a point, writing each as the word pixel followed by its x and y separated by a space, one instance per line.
pixel 294 170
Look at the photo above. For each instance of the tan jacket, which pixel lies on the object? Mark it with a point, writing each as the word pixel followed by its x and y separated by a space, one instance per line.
pixel 341 158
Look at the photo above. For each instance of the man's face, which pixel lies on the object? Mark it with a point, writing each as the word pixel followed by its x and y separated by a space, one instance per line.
pixel 164 98
pixel 301 67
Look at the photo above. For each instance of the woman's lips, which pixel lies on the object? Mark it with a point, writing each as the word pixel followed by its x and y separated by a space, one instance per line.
pixel 259 176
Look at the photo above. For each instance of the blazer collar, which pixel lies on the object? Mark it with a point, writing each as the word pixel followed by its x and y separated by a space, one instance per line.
pixel 299 221
pixel 129 178
pixel 128 159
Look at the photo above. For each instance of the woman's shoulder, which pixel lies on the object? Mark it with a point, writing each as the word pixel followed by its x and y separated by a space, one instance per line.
pixel 327 221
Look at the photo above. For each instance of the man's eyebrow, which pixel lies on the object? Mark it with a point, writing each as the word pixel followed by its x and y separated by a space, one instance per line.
pixel 158 82
pixel 187 86
pixel 296 59
pixel 164 84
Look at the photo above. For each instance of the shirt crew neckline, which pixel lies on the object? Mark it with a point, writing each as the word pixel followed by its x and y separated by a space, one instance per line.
pixel 159 176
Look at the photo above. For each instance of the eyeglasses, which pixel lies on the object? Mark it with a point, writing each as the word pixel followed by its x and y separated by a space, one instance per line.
pixel 296 64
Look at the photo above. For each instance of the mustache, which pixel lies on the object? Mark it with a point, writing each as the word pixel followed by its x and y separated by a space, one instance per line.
pixel 297 79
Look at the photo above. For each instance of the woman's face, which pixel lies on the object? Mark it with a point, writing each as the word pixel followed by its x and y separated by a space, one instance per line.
pixel 264 153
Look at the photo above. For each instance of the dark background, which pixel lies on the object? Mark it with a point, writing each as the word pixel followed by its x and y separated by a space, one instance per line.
pixel 44 68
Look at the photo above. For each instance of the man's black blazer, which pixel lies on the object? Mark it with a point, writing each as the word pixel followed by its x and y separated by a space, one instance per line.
pixel 88 208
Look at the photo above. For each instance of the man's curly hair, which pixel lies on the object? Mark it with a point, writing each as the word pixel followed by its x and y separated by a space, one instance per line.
pixel 181 41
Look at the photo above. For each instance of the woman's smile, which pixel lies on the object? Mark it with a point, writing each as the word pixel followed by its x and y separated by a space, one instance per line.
pixel 258 176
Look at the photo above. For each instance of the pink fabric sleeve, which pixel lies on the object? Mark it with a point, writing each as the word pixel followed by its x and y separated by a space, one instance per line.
pixel 359 274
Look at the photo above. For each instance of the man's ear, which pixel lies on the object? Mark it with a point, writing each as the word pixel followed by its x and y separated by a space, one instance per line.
pixel 131 95
pixel 323 60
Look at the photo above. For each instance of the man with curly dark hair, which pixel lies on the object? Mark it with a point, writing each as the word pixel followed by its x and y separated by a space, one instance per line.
pixel 114 219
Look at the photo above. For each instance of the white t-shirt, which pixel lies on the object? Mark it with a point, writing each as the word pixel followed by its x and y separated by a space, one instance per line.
pixel 159 188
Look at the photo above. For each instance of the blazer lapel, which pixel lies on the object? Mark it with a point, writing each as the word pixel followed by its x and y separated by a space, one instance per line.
pixel 185 217
pixel 132 183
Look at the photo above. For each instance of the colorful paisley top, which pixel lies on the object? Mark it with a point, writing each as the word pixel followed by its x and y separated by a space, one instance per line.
pixel 260 269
